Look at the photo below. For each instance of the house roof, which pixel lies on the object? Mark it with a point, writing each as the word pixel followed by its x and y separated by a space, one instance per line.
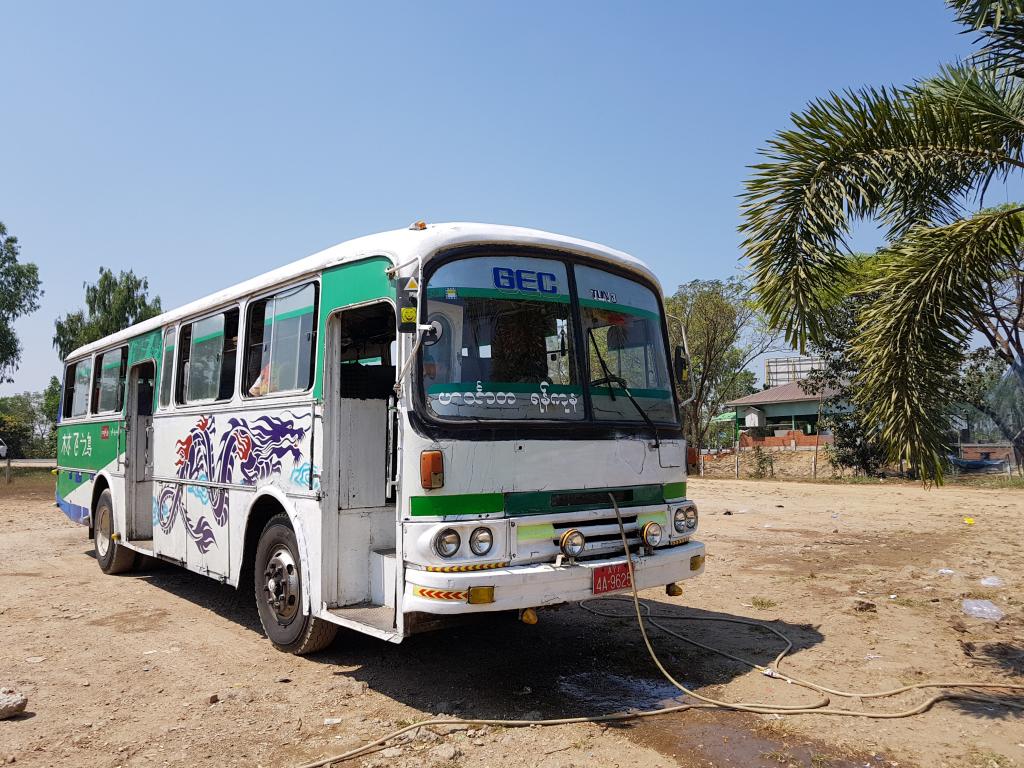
pixel 785 393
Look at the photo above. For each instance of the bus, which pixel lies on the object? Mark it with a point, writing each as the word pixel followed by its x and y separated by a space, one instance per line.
pixel 394 433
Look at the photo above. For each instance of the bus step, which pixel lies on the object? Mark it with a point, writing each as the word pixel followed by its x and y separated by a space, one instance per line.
pixel 380 617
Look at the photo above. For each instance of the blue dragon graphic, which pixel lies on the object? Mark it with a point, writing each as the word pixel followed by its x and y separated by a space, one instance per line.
pixel 257 447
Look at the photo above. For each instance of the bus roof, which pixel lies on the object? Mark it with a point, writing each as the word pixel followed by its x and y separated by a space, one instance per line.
pixel 402 246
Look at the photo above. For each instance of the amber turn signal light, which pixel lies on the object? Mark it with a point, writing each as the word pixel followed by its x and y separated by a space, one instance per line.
pixel 431 470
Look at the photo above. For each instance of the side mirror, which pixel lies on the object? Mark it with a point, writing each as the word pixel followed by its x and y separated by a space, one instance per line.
pixel 681 366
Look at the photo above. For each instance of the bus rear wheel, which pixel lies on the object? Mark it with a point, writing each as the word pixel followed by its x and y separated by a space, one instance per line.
pixel 278 582
pixel 112 557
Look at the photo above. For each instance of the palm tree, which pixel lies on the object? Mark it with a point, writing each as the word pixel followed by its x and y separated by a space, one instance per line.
pixel 917 160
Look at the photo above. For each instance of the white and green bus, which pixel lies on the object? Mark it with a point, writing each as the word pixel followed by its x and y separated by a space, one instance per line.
pixel 398 430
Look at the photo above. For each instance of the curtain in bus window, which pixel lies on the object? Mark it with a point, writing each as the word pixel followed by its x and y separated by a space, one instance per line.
pixel 166 367
pixel 205 358
pixel 80 403
pixel 110 380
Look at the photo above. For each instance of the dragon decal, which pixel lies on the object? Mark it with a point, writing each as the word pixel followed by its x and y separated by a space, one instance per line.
pixel 255 448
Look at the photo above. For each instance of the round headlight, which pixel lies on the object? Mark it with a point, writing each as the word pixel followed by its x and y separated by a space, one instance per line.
pixel 651 534
pixel 572 543
pixel 679 520
pixel 691 517
pixel 480 541
pixel 447 542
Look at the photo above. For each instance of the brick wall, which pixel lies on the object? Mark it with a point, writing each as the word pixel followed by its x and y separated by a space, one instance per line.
pixel 786 441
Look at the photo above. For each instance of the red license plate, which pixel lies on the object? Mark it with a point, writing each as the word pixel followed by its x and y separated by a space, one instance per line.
pixel 611 578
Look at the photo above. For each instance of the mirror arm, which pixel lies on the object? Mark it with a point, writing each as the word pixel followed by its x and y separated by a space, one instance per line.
pixel 686 348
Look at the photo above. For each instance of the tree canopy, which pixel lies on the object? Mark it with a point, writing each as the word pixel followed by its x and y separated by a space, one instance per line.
pixel 113 303
pixel 725 333
pixel 19 295
pixel 918 160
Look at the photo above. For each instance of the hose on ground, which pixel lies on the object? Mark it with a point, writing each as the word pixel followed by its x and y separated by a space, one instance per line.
pixel 643 612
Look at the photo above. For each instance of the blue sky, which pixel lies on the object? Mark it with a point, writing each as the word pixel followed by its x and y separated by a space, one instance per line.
pixel 203 143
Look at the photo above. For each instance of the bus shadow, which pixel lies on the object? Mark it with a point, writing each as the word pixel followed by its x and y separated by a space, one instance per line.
pixel 571 664
pixel 223 599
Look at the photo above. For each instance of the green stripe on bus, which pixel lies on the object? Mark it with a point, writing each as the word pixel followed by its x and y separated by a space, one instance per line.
pixel 622 308
pixel 675 490
pixel 490 293
pixel 653 394
pixel 535 532
pixel 544 502
pixel 457 504
pixel 207 337
pixel 289 314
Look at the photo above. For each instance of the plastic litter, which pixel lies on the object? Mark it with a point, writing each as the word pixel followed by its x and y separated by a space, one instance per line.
pixel 982 609
pixel 992 581
pixel 946 571
pixel 969 520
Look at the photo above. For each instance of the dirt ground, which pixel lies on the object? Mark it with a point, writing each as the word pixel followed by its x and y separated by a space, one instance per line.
pixel 121 671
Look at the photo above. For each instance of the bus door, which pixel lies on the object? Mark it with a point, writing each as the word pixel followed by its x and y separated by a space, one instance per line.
pixel 139 454
pixel 361 451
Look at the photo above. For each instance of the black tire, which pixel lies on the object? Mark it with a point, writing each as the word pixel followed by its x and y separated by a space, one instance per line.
pixel 277 577
pixel 112 557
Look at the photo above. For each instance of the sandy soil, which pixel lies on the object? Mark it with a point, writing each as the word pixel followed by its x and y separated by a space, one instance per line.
pixel 121 671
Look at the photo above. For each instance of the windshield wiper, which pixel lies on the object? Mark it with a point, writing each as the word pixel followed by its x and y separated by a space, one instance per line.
pixel 611 378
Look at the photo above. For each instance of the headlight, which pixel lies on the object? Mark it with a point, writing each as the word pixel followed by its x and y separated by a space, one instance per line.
pixel 447 542
pixel 572 543
pixel 679 520
pixel 651 534
pixel 691 517
pixel 480 541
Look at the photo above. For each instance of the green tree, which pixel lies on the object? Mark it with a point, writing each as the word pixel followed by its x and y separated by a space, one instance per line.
pixel 917 160
pixel 856 441
pixel 113 303
pixel 991 400
pixel 19 295
pixel 17 421
pixel 725 333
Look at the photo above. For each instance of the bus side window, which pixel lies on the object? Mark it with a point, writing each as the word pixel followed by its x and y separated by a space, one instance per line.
pixel 230 353
pixel 167 367
pixel 280 332
pixel 108 383
pixel 77 381
pixel 181 378
pixel 69 391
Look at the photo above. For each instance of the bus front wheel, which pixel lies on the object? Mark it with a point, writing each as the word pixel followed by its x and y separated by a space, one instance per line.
pixel 278 582
pixel 112 557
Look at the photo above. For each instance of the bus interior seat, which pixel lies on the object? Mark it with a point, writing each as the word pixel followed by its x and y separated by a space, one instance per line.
pixel 367 382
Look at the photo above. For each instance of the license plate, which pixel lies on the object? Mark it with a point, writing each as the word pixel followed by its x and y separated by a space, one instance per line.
pixel 611 578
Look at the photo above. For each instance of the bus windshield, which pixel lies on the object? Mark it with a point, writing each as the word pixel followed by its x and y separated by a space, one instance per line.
pixel 505 343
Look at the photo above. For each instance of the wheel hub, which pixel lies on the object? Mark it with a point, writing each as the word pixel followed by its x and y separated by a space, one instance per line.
pixel 102 537
pixel 281 588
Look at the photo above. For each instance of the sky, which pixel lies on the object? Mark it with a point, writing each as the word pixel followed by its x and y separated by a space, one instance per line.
pixel 199 144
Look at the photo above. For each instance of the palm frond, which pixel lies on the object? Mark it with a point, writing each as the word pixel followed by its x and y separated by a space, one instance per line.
pixel 1001 27
pixel 912 336
pixel 979 14
pixel 907 157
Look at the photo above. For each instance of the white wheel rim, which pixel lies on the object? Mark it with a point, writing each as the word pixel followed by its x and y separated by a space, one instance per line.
pixel 102 532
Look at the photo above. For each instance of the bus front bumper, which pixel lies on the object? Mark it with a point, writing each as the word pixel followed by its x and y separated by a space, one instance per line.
pixel 530 586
